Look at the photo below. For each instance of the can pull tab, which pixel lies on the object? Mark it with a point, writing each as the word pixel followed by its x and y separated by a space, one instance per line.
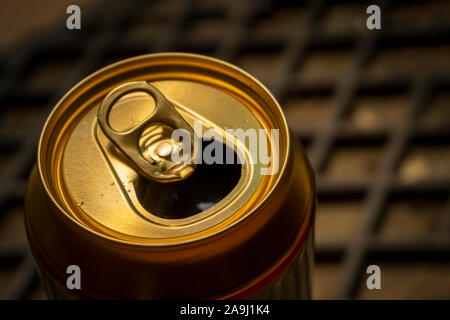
pixel 155 161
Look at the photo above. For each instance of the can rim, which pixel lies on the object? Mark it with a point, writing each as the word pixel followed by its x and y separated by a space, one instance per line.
pixel 92 232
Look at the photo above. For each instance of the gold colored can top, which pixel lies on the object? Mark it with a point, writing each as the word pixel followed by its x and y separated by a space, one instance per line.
pixel 103 152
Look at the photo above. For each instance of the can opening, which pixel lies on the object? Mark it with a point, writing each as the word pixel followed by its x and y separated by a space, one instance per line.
pixel 209 184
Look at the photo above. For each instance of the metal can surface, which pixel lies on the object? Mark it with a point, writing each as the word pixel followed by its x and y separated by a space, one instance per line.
pixel 217 231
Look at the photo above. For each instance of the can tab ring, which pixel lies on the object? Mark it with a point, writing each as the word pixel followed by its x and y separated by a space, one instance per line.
pixel 156 162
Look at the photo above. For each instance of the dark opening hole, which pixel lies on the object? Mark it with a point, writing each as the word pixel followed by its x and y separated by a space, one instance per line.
pixel 208 185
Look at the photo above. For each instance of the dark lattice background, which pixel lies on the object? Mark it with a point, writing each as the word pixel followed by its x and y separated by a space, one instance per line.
pixel 371 107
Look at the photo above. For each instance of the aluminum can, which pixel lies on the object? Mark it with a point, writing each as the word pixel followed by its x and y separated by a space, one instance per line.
pixel 104 196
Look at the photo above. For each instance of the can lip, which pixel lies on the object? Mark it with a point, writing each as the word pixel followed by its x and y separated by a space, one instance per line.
pixel 108 238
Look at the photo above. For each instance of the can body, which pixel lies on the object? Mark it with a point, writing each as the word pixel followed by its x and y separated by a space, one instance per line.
pixel 294 284
pixel 264 253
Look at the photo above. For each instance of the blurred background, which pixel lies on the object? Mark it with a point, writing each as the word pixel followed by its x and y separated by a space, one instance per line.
pixel 372 109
